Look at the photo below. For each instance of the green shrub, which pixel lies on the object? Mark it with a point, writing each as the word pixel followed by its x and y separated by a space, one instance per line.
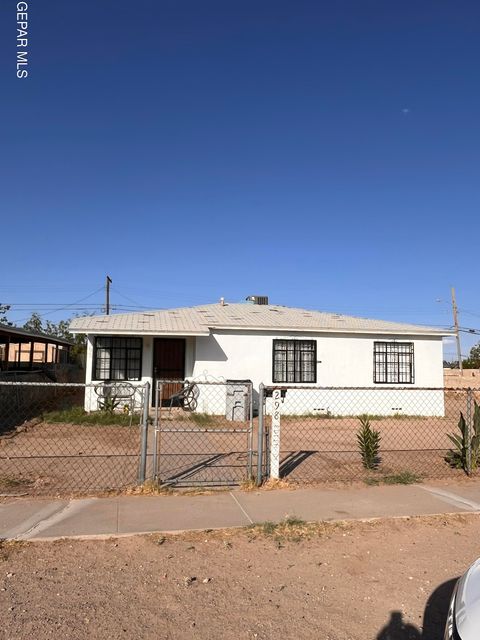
pixel 203 419
pixel 369 443
pixel 77 415
pixel 402 477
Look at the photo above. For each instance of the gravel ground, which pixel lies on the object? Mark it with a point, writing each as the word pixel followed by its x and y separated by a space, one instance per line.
pixel 386 580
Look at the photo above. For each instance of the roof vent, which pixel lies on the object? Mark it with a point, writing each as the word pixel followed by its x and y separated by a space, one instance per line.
pixel 258 299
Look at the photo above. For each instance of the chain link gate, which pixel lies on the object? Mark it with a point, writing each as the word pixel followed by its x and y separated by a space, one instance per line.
pixel 203 433
pixel 317 431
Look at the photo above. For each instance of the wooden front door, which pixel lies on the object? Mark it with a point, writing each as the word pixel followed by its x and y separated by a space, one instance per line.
pixel 168 364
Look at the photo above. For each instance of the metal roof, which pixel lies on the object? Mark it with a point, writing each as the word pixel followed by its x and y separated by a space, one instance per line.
pixel 198 321
pixel 6 329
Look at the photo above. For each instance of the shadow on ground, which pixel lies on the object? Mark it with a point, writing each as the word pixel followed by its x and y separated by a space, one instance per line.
pixel 434 617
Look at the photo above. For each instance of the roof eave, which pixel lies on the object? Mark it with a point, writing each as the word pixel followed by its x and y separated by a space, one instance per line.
pixel 358 331
pixel 137 332
pixel 407 332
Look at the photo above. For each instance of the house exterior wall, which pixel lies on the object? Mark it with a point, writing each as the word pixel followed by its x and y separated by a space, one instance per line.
pixel 343 360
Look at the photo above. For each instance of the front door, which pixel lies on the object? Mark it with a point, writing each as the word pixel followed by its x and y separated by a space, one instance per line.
pixel 168 364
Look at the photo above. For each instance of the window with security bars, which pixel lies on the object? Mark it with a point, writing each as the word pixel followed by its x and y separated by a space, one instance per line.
pixel 294 361
pixel 117 358
pixel 393 363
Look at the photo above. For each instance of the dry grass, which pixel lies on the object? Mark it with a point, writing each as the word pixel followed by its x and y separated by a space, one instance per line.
pixel 292 529
pixel 149 488
pixel 276 483
pixel 9 546
pixel 153 488
pixel 250 484
pixel 10 484
pixel 200 491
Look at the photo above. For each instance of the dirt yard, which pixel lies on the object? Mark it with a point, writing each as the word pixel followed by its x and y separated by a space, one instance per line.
pixel 53 459
pixel 380 581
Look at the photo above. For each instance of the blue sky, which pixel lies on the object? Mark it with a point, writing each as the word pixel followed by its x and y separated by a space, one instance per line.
pixel 323 153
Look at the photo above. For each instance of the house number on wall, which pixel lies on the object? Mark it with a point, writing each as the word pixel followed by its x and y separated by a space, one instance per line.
pixel 275 435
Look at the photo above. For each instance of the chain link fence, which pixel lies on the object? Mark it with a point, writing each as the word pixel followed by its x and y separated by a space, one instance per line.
pixel 58 439
pixel 369 434
pixel 50 444
pixel 203 433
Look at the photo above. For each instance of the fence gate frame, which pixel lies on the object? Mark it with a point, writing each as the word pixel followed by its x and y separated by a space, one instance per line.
pixel 160 427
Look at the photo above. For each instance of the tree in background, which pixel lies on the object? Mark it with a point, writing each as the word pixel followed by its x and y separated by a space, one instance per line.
pixel 4 309
pixel 34 323
pixel 60 330
pixel 473 360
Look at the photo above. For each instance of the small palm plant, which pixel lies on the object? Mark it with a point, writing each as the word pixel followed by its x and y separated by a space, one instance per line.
pixel 476 437
pixel 368 442
pixel 109 404
pixel 466 454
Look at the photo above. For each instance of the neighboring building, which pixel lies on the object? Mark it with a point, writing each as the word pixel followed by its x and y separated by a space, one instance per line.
pixel 22 349
pixel 275 345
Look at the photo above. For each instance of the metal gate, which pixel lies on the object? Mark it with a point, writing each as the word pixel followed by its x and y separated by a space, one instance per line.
pixel 203 433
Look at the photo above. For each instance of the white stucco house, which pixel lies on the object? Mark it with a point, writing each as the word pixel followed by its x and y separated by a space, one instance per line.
pixel 274 345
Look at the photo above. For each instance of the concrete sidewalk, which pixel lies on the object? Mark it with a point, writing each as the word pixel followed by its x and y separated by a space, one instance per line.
pixel 22 519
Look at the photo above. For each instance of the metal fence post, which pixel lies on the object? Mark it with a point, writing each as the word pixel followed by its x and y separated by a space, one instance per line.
pixel 144 436
pixel 250 435
pixel 155 432
pixel 261 401
pixel 468 422
pixel 156 438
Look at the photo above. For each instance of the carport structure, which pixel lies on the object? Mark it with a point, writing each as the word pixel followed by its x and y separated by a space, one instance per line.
pixel 22 349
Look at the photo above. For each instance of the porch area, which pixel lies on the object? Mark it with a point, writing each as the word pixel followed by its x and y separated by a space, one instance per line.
pixel 22 350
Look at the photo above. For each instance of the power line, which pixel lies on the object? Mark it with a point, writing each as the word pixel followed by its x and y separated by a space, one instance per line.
pixel 137 304
pixel 37 305
pixel 471 313
pixel 472 331
pixel 42 315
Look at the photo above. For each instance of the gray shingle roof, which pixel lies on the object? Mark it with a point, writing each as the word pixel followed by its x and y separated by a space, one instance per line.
pixel 199 320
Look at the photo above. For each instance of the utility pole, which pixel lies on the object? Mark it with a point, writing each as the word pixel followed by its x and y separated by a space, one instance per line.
pixel 457 332
pixel 107 295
